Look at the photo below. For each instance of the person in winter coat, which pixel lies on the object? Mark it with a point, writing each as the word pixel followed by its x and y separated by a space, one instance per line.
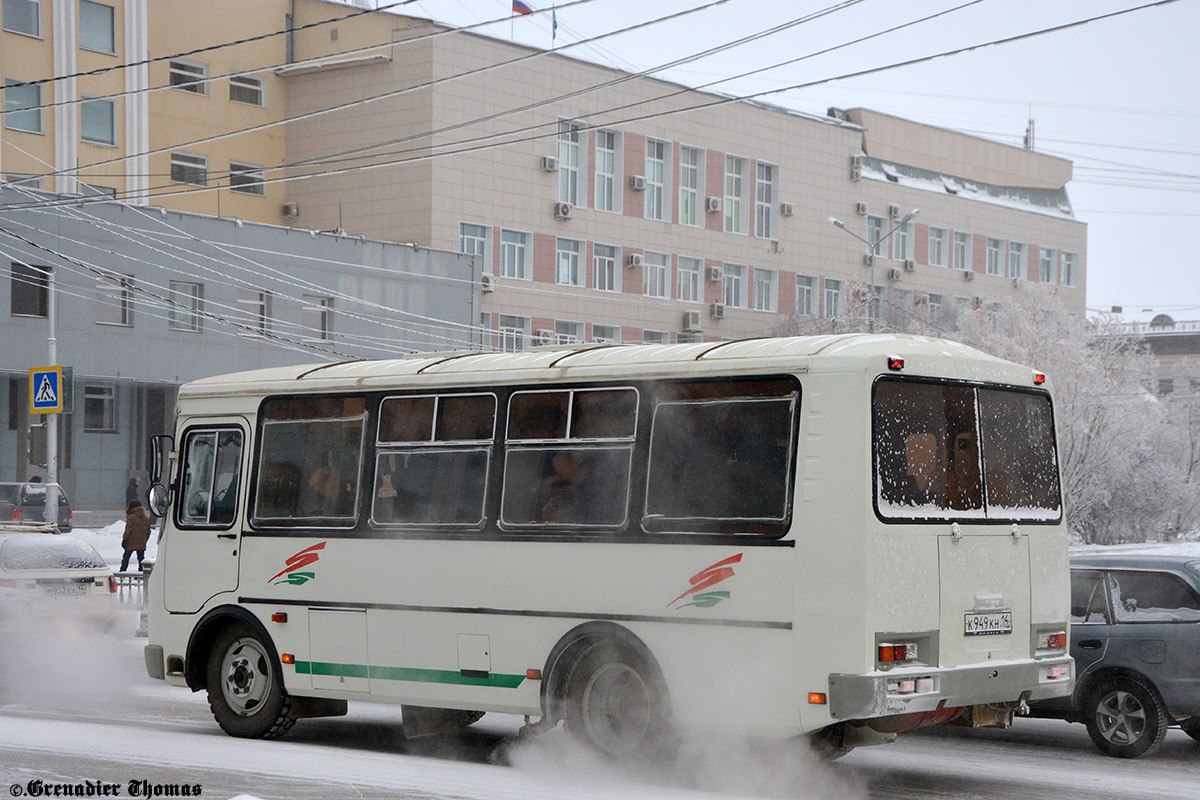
pixel 137 533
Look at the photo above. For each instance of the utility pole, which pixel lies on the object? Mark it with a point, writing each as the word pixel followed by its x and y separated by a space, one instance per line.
pixel 52 421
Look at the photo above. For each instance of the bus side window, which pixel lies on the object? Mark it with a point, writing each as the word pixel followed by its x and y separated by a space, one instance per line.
pixel 211 477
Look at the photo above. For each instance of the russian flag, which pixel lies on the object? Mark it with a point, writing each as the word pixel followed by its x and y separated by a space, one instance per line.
pixel 521 7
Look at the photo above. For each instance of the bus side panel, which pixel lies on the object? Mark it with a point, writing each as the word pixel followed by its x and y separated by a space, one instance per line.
pixel 459 623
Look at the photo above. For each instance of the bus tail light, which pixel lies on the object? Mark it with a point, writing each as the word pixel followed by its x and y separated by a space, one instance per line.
pixel 1052 641
pixel 891 653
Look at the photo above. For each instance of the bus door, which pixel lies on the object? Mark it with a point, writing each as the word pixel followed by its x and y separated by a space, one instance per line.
pixel 199 552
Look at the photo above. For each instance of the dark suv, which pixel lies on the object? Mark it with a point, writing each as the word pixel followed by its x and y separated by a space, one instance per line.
pixel 26 502
pixel 1135 638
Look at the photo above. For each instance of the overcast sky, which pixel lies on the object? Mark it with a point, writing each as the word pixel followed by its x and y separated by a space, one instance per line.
pixel 1116 96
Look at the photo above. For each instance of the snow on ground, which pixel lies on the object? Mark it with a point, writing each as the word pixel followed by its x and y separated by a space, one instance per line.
pixel 108 541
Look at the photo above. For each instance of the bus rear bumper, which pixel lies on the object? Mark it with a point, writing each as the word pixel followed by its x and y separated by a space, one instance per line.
pixel 915 689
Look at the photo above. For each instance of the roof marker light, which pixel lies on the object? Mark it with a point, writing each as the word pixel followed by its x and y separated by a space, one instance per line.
pixel 895 363
pixel 1039 378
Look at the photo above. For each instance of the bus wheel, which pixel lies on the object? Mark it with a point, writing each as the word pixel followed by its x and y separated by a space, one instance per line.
pixel 244 690
pixel 617 703
pixel 1125 718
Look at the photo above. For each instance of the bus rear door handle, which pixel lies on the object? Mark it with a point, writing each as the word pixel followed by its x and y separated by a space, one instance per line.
pixel 226 535
pixel 1090 644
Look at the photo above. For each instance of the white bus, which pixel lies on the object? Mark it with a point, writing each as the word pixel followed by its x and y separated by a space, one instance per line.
pixel 846 536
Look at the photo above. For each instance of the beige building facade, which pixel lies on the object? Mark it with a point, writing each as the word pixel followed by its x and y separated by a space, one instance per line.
pixel 601 205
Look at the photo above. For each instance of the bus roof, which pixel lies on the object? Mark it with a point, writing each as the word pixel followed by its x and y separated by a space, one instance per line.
pixel 836 353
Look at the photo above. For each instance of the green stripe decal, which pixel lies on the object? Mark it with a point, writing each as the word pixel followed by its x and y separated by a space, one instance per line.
pixel 498 681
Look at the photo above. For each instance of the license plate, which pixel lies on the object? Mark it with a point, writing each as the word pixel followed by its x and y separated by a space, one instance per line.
pixel 989 623
pixel 66 590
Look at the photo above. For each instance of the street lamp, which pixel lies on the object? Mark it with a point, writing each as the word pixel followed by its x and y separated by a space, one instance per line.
pixel 872 249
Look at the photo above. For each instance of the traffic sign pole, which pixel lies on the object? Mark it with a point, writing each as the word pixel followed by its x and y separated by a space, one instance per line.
pixel 52 422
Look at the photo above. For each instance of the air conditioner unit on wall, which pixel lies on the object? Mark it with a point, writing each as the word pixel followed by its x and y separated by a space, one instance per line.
pixel 856 167
pixel 717 311
pixel 968 275
pixel 563 210
pixel 712 205
pixel 290 210
pixel 691 321
pixel 549 164
pixel 893 274
pixel 868 260
pixel 543 336
pixel 893 210
pixel 909 265
pixel 715 274
pixel 637 183
pixel 977 301
pixel 635 260
pixel 861 209
pixel 786 210
pixel 487 282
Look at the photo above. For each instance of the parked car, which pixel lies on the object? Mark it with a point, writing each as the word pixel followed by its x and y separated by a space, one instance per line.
pixel 26 502
pixel 1135 638
pixel 45 574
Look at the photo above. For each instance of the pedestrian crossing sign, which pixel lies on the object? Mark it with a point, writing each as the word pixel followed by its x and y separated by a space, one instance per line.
pixel 45 390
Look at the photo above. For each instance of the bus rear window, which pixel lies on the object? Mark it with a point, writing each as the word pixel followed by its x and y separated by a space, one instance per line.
pixel 956 451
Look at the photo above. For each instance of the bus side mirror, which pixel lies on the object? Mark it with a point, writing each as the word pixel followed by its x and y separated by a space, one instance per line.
pixel 160 495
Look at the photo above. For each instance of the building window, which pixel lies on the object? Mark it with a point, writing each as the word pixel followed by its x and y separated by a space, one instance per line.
pixel 476 240
pixel 514 333
pixel 604 263
pixel 100 408
pixel 248 89
pixel 96 27
pixel 22 107
pixel 247 179
pixel 833 298
pixel 656 278
pixel 734 286
pixel 764 201
pixel 1016 260
pixel 315 314
pixel 656 172
pixel 689 279
pixel 606 333
pixel 185 306
pixel 735 178
pixel 568 162
pixel 902 237
pixel 1045 265
pixel 255 308
pixel 187 168
pixel 962 251
pixel 566 332
pixel 23 16
pixel 514 254
pixel 995 256
pixel 876 301
pixel 30 296
pixel 566 262
pixel 900 308
pixel 97 121
pixel 656 337
pixel 113 299
pixel 1067 276
pixel 935 305
pixel 691 169
pixel 189 76
pixel 876 230
pixel 806 296
pixel 937 247
pixel 606 170
pixel 766 289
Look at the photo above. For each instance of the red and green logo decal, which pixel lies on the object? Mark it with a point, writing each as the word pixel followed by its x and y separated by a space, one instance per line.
pixel 292 574
pixel 709 576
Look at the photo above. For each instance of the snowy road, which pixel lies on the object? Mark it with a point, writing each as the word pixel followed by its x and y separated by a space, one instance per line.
pixel 83 710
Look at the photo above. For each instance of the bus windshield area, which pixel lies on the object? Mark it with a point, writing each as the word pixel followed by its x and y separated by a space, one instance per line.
pixel 958 451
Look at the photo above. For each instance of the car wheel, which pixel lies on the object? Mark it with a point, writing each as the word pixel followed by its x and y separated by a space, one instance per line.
pixel 1125 718
pixel 1192 728
pixel 244 689
pixel 617 704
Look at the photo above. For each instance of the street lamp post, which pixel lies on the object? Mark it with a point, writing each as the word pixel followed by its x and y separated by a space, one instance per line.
pixel 872 250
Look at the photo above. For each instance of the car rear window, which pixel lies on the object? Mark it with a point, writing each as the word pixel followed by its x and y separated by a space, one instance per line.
pixel 48 551
pixel 35 496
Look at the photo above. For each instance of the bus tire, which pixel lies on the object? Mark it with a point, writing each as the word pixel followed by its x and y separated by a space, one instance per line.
pixel 616 702
pixel 245 691
pixel 1125 718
